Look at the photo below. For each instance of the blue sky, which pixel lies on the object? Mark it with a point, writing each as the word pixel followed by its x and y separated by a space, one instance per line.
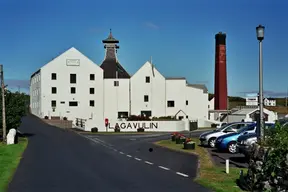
pixel 179 35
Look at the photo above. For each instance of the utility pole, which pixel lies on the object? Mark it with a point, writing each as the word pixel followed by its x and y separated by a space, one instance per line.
pixel 260 37
pixel 3 104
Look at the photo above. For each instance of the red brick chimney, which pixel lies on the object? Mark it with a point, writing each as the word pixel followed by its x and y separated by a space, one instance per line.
pixel 220 89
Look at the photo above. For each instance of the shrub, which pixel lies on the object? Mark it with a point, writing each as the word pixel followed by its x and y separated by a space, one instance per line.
pixel 140 130
pixel 138 118
pixel 213 125
pixel 94 130
pixel 165 118
pixel 268 164
pixel 65 118
pixel 46 117
pixel 16 107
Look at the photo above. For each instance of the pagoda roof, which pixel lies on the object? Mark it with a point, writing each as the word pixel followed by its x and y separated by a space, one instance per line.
pixel 110 39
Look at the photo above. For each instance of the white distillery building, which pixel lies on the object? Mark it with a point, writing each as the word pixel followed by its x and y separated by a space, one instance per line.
pixel 73 86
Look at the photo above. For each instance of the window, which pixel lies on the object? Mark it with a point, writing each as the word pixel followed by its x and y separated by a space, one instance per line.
pixel 92 103
pixel 116 83
pixel 186 102
pixel 53 76
pixel 73 90
pixel 122 114
pixel 62 102
pixel 147 79
pixel 73 103
pixel 73 78
pixel 170 104
pixel 53 103
pixel 92 91
pixel 54 90
pixel 146 113
pixel 146 98
pixel 92 77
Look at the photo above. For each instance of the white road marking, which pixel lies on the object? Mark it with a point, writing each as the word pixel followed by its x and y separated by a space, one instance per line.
pixel 182 174
pixel 137 159
pixel 165 168
pixel 129 156
pixel 121 152
pixel 148 162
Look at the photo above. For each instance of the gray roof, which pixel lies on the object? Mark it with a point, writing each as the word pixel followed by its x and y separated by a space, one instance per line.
pixel 175 78
pixel 199 86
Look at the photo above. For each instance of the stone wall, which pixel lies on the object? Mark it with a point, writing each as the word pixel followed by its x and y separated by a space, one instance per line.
pixel 260 178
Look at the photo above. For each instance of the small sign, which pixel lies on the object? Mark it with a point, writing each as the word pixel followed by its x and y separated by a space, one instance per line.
pixel 73 62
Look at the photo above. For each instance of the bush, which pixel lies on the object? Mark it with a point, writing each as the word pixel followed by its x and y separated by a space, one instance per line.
pixel 138 118
pixel 268 165
pixel 16 107
pixel 165 118
pixel 213 125
pixel 140 130
pixel 94 130
pixel 46 117
pixel 65 118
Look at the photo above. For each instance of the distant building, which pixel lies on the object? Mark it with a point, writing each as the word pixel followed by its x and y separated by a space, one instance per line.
pixel 269 102
pixel 251 100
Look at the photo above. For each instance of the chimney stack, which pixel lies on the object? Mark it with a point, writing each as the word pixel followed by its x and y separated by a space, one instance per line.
pixel 220 89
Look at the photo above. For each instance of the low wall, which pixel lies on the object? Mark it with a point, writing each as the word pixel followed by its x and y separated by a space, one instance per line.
pixel 132 126
pixel 157 126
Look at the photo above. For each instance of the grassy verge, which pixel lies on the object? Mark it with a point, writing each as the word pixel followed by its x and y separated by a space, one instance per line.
pixel 210 176
pixel 10 156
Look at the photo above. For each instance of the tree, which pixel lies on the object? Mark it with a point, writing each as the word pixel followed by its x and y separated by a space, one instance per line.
pixel 16 107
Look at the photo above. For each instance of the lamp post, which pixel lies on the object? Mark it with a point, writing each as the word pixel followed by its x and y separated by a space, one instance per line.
pixel 260 36
pixel 3 103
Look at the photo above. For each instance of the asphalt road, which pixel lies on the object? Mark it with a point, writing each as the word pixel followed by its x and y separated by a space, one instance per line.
pixel 57 160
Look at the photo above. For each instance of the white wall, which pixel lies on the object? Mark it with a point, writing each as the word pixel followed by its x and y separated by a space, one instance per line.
pixel 116 98
pixel 197 103
pixel 155 91
pixel 35 94
pixel 83 85
pixel 176 91
pixel 156 126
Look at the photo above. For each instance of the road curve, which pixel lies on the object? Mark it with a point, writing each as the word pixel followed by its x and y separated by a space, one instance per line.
pixel 57 160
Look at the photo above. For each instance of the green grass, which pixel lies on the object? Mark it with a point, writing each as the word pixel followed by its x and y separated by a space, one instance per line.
pixel 10 156
pixel 210 175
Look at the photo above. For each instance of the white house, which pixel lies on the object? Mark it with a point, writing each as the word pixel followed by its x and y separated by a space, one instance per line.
pixel 269 102
pixel 249 114
pixel 73 86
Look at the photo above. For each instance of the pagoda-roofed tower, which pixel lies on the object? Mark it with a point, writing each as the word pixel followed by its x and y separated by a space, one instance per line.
pixel 110 65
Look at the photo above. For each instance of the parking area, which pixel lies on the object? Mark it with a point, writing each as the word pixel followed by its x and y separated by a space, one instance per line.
pixel 219 158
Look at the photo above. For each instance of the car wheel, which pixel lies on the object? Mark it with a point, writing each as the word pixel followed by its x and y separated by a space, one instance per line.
pixel 232 148
pixel 211 142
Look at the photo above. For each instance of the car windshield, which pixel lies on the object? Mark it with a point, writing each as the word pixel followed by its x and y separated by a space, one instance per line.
pixel 223 127
pixel 245 128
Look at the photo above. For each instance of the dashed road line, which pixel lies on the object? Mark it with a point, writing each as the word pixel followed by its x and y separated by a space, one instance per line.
pixel 137 159
pixel 129 156
pixel 182 174
pixel 147 162
pixel 165 168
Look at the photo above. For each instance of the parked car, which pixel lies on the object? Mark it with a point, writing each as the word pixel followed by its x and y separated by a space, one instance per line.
pixel 209 138
pixel 229 141
pixel 244 142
